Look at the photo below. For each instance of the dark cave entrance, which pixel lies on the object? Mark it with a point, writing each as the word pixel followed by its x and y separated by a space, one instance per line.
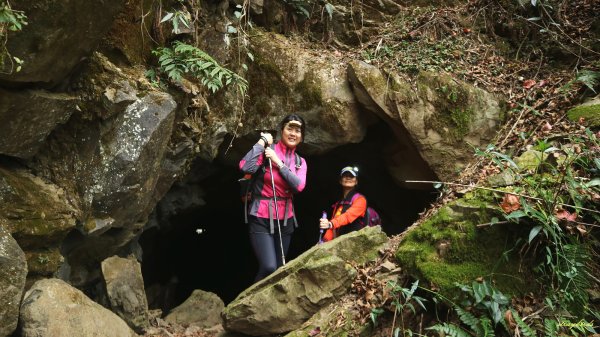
pixel 178 260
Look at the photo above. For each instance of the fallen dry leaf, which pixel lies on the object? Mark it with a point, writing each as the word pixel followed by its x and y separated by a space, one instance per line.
pixel 563 214
pixel 315 331
pixel 582 230
pixel 528 84
pixel 546 127
pixel 510 321
pixel 510 203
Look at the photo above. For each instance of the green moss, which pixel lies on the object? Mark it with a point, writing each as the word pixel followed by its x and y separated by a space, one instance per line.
pixel 589 113
pixel 453 117
pixel 43 262
pixel 310 93
pixel 449 248
pixel 269 78
pixel 461 119
pixel 31 209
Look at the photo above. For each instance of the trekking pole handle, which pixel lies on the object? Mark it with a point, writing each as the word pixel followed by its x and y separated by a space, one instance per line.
pixel 323 216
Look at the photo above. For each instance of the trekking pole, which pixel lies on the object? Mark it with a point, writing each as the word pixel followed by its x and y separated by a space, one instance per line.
pixel 323 216
pixel 276 210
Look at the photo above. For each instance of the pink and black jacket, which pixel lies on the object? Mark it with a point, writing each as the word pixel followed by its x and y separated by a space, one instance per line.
pixel 289 180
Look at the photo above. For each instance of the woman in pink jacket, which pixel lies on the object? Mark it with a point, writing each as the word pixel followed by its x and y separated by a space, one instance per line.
pixel 289 175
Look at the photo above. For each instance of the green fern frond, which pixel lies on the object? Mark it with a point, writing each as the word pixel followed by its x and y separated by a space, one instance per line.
pixel 525 328
pixel 550 327
pixel 450 330
pixel 187 59
pixel 589 78
pixel 486 326
pixel 574 274
pixel 469 319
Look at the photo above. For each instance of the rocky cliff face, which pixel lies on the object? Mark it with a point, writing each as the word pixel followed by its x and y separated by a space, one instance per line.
pixel 90 145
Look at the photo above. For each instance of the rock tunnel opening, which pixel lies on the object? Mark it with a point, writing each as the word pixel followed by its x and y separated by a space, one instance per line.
pixel 199 241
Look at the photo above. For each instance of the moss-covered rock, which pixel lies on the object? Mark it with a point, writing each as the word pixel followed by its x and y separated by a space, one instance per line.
pixel 286 77
pixel 588 113
pixel 27 117
pixel 439 117
pixel 64 32
pixel 13 269
pixel 287 298
pixel 530 160
pixel 450 248
pixel 36 212
pixel 44 261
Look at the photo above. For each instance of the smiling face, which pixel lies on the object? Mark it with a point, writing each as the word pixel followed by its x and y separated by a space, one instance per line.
pixel 348 181
pixel 291 134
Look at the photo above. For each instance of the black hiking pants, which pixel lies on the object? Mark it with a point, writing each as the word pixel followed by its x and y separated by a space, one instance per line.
pixel 266 246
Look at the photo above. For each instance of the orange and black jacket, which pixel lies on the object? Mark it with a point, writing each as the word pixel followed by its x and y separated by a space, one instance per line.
pixel 346 215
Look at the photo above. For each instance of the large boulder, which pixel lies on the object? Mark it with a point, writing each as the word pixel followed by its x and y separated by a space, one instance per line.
pixel 288 78
pixel 442 117
pixel 13 269
pixel 109 157
pixel 125 290
pixel 201 309
pixel 59 35
pixel 27 117
pixel 39 215
pixel 288 297
pixel 52 308
pixel 587 113
pixel 450 248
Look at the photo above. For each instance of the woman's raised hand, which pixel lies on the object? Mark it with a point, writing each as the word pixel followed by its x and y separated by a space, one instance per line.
pixel 266 137
pixel 270 153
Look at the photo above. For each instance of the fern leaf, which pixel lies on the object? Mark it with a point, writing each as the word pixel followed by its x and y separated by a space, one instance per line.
pixel 589 78
pixel 550 327
pixel 450 330
pixel 486 326
pixel 525 328
pixel 469 319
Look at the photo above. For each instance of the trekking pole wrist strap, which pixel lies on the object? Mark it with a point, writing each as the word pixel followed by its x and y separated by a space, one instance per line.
pixel 264 139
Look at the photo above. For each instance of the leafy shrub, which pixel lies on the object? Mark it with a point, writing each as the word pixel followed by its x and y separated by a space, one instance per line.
pixel 10 18
pixel 184 59
pixel 558 199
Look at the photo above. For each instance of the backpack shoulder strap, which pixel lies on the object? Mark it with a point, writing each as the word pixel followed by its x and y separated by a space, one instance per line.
pixel 298 161
pixel 355 196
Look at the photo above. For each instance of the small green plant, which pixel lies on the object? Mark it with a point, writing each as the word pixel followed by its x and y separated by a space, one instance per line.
pixel 301 7
pixel 10 20
pixel 557 199
pixel 487 306
pixel 403 298
pixel 589 78
pixel 184 59
pixel 154 79
pixel 43 259
pixel 304 8
pixel 177 19
pixel 374 315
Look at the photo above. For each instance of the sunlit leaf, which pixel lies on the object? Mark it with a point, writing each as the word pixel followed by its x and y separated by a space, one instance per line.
pixel 167 17
pixel 534 232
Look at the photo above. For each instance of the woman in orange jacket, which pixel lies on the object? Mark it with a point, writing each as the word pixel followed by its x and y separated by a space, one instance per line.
pixel 348 213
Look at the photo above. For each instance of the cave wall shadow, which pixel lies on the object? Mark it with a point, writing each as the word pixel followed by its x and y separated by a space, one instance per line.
pixel 398 207
pixel 220 258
